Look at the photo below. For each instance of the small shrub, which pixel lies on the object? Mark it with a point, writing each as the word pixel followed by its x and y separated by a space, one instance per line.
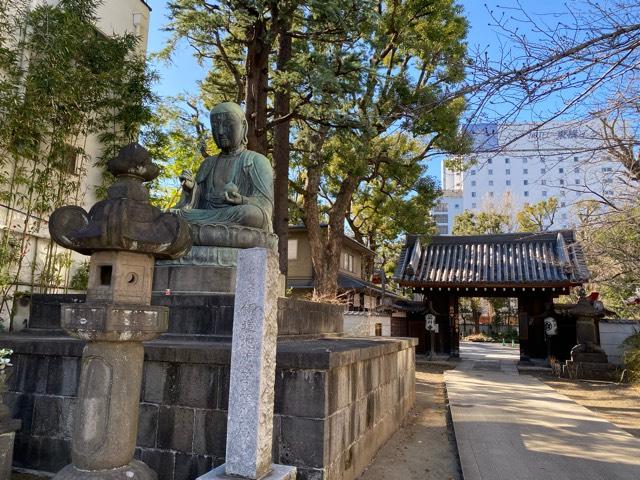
pixel 5 358
pixel 632 357
pixel 80 278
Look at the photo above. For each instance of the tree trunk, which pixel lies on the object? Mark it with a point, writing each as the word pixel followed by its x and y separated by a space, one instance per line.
pixel 476 322
pixel 257 71
pixel 282 105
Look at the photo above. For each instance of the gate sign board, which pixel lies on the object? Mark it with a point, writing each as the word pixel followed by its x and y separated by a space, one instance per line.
pixel 430 322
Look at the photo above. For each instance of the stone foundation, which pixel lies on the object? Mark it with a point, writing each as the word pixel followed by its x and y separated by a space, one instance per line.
pixel 337 401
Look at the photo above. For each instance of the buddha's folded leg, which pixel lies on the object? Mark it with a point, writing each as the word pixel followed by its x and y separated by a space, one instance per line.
pixel 244 215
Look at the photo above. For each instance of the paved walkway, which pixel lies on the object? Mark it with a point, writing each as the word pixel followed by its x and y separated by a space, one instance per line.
pixel 514 427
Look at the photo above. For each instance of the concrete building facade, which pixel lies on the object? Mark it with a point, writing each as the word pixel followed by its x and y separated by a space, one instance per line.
pixel 524 163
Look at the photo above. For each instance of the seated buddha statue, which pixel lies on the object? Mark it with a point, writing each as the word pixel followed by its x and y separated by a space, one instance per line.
pixel 232 189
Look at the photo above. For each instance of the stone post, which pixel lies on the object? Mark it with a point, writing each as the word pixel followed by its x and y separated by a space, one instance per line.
pixel 124 234
pixel 253 363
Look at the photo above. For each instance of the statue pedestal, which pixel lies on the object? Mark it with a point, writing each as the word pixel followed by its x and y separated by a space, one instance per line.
pixel 202 270
pixel 210 266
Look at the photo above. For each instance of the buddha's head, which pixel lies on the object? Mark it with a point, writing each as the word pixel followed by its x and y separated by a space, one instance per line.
pixel 228 126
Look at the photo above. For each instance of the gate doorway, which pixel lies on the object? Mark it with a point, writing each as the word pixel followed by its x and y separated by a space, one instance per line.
pixel 532 268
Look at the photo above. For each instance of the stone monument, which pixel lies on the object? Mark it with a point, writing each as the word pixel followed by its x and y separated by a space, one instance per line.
pixel 123 234
pixel 588 359
pixel 228 206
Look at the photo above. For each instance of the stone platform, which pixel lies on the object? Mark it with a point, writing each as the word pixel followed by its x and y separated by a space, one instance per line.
pixel 337 400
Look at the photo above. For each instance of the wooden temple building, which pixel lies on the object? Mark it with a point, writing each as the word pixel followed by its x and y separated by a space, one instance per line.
pixel 535 268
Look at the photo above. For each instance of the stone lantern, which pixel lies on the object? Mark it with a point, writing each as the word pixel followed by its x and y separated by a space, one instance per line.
pixel 123 234
pixel 588 359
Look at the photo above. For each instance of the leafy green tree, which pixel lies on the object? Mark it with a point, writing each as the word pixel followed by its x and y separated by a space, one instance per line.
pixel 488 222
pixel 62 81
pixel 260 56
pixel 357 113
pixel 537 217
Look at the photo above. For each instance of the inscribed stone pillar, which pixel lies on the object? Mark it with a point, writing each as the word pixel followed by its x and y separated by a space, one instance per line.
pixel 253 363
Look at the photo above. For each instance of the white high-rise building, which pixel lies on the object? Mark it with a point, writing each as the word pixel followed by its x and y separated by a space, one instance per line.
pixel 526 163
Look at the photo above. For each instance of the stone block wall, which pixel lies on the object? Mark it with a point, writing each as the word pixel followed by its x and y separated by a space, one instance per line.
pixel 337 401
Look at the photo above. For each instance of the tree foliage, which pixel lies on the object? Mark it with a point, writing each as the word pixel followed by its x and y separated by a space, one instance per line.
pixel 368 88
pixel 480 223
pixel 62 82
pixel 537 217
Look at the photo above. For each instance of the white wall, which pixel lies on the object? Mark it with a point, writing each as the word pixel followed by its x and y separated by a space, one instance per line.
pixel 363 324
pixel 613 333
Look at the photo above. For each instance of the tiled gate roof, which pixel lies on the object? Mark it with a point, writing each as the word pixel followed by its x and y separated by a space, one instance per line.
pixel 505 260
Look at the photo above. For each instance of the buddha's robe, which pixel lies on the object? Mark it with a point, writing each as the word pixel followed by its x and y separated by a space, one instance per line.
pixel 250 172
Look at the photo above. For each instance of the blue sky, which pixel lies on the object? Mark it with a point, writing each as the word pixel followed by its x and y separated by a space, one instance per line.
pixel 183 73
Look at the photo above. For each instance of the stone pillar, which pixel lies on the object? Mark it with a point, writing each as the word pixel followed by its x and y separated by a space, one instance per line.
pixel 253 362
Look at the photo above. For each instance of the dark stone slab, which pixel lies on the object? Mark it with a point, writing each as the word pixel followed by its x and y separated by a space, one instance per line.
pixel 147 425
pixel 45 310
pixel 301 392
pixel 192 466
pixel 210 432
pixel 301 317
pixel 175 429
pixel 63 376
pixel 161 461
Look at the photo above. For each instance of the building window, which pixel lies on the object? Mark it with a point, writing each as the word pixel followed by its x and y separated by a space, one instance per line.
pixel 562 205
pixel 525 171
pixel 473 205
pixel 456 206
pixel 526 182
pixel 542 170
pixel 508 182
pixel 544 193
pixel 473 183
pixel 564 216
pixel 490 161
pixel 348 263
pixel 506 160
pixel 543 182
pixel 292 249
pixel 575 159
pixel 526 194
pixel 507 171
pixel 491 194
pixel 442 229
pixel 607 169
pixel 561 182
pixel 473 172
pixel 561 170
pixel 525 160
pixel 576 181
pixel 490 172
pixel 491 183
pixel 473 194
